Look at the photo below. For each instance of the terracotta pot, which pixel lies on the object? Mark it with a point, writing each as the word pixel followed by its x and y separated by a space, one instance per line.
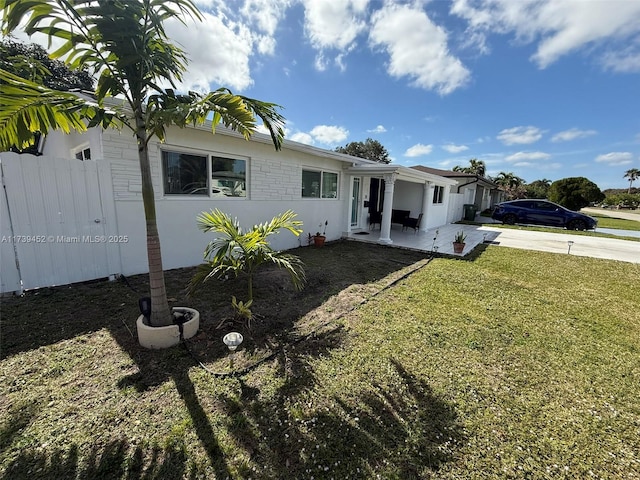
pixel 458 247
pixel 318 240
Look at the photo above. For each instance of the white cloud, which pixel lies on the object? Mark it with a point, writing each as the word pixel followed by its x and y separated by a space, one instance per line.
pixel 329 134
pixel 265 15
pixel 524 164
pixel 417 48
pixel 333 25
pixel 451 148
pixel 227 64
pixel 626 60
pixel 520 135
pixel 378 129
pixel 262 129
pixel 219 47
pixel 418 150
pixel 302 138
pixel 572 134
pixel 527 156
pixel 559 27
pixel 615 158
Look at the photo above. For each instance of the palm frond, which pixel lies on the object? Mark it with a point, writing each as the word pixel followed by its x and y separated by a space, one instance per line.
pixel 236 252
pixel 26 108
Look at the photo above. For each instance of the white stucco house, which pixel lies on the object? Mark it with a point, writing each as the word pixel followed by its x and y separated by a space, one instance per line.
pixel 88 185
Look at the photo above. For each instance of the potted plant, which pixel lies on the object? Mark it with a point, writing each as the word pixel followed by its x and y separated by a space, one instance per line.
pixel 458 242
pixel 319 238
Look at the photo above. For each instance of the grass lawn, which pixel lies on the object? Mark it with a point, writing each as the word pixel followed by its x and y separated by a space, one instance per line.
pixel 513 364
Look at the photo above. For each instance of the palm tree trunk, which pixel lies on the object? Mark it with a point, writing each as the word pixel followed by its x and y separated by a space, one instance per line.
pixel 250 286
pixel 160 313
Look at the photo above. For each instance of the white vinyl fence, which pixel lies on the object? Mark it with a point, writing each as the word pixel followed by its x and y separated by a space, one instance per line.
pixel 58 222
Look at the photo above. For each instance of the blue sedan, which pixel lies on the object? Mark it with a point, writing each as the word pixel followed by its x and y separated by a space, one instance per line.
pixel 542 212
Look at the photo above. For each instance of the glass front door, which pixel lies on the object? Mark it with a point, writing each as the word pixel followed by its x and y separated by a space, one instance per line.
pixel 355 202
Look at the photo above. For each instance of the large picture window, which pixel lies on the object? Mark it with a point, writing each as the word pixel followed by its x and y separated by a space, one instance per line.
pixel 229 176
pixel 317 184
pixel 190 174
pixel 184 174
pixel 438 194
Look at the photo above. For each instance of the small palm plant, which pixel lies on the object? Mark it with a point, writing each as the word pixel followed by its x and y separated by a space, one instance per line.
pixel 236 252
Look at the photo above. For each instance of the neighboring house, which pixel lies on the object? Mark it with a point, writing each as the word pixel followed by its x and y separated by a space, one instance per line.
pixel 469 189
pixel 88 186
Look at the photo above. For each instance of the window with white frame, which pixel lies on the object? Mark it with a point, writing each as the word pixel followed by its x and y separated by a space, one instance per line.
pixel 229 177
pixel 438 194
pixel 319 184
pixel 206 175
pixel 82 153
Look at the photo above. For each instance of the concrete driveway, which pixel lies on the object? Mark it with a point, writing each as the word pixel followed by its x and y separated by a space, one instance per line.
pixel 626 214
pixel 597 247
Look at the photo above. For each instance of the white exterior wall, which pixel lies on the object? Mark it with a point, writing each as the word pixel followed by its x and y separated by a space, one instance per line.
pixel 456 207
pixel 58 145
pixel 408 196
pixel 438 212
pixel 274 185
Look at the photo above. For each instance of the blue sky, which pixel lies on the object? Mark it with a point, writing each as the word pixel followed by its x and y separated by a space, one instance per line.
pixel 543 89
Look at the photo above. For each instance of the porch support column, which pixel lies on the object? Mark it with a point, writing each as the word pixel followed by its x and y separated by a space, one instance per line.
pixel 385 226
pixel 426 195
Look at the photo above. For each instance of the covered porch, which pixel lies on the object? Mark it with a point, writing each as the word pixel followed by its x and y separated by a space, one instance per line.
pixel 437 240
pixel 383 196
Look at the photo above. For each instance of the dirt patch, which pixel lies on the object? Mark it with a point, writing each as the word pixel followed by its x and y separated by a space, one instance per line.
pixel 339 276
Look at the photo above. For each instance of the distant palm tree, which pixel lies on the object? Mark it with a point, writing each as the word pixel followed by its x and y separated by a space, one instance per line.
pixel 124 42
pixel 509 179
pixel 511 184
pixel 632 174
pixel 476 167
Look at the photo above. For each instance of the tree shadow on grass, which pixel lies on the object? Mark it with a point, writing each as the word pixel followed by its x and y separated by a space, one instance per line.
pixel 19 417
pixel 118 459
pixel 201 424
pixel 401 431
pixel 70 311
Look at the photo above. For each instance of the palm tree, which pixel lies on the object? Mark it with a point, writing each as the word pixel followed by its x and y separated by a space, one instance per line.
pixel 632 174
pixel 511 184
pixel 476 167
pixel 236 251
pixel 124 42
pixel 509 179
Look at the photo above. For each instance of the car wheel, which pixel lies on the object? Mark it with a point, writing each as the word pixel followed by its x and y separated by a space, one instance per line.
pixel 510 219
pixel 576 225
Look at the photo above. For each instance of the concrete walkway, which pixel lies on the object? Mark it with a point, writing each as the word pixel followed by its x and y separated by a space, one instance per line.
pixel 440 241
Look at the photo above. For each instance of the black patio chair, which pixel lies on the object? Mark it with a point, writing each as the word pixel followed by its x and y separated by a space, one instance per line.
pixel 375 217
pixel 410 222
